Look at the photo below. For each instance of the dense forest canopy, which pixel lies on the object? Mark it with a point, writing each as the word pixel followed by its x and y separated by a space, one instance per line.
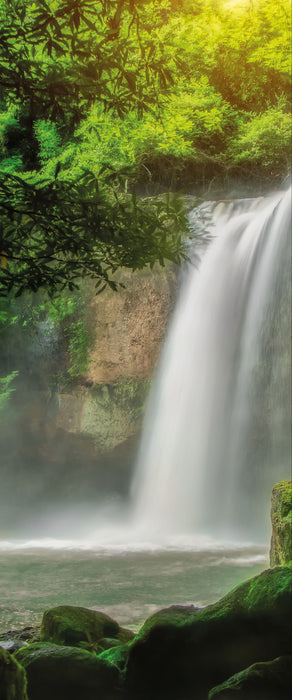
pixel 99 97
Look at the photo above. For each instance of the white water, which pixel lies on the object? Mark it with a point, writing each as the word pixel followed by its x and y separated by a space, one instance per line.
pixel 216 434
pixel 216 439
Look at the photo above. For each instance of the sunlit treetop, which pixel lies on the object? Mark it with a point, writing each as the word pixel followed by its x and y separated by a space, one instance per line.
pixel 201 86
pixel 83 50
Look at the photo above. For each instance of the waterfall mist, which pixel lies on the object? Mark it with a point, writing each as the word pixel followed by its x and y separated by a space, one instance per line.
pixel 217 429
pixel 216 433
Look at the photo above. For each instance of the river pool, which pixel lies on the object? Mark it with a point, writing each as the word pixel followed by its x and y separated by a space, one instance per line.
pixel 127 584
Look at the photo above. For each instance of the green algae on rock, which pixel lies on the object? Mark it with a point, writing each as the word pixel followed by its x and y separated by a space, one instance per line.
pixel 175 614
pixel 268 680
pixel 12 678
pixel 76 626
pixel 66 673
pixel 281 515
pixel 251 624
pixel 116 656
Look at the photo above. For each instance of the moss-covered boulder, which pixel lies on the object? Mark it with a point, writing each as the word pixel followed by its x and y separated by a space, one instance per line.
pixel 76 626
pixel 12 678
pixel 116 656
pixel 64 673
pixel 175 614
pixel 269 680
pixel 281 515
pixel 186 657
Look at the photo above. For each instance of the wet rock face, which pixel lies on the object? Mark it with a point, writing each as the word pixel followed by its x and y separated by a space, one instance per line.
pixel 281 515
pixel 12 678
pixel 128 327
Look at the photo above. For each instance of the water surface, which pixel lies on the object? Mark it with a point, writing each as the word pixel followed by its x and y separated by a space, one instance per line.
pixel 128 585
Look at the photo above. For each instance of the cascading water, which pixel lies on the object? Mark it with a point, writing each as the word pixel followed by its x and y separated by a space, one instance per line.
pixel 216 438
pixel 216 434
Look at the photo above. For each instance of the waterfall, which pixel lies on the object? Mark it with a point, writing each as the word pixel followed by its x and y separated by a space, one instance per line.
pixel 216 433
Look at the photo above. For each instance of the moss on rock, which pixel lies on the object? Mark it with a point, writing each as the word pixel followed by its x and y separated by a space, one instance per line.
pixel 281 516
pixel 171 659
pixel 116 656
pixel 64 673
pixel 12 678
pixel 76 626
pixel 175 614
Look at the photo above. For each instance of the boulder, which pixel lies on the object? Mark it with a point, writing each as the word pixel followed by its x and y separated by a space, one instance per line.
pixel 184 659
pixel 281 515
pixel 12 678
pixel 176 614
pixel 269 680
pixel 76 626
pixel 65 673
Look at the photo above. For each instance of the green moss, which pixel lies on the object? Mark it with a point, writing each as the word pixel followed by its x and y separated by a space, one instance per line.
pixel 281 516
pixel 168 660
pixel 111 413
pixel 65 673
pixel 12 678
pixel 70 625
pixel 131 394
pixel 116 656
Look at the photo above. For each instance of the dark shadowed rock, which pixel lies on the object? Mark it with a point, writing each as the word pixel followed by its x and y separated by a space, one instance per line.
pixel 24 635
pixel 183 660
pixel 270 680
pixel 64 673
pixel 281 515
pixel 75 626
pixel 12 678
pixel 175 614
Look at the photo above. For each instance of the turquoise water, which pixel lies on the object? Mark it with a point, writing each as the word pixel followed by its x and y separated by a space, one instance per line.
pixel 128 585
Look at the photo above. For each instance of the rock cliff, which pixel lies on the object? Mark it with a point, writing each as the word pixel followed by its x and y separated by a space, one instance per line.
pixel 54 424
pixel 128 327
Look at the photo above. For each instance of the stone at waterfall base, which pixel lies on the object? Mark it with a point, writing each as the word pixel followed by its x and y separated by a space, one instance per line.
pixel 181 653
pixel 12 678
pixel 183 660
pixel 270 680
pixel 57 672
pixel 77 626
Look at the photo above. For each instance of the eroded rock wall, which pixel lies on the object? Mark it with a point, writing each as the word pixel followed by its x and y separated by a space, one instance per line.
pixel 69 439
pixel 126 330
pixel 128 327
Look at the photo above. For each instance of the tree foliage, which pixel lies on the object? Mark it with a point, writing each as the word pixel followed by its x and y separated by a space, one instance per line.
pixel 57 59
pixel 6 389
pixel 56 232
pixel 98 97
